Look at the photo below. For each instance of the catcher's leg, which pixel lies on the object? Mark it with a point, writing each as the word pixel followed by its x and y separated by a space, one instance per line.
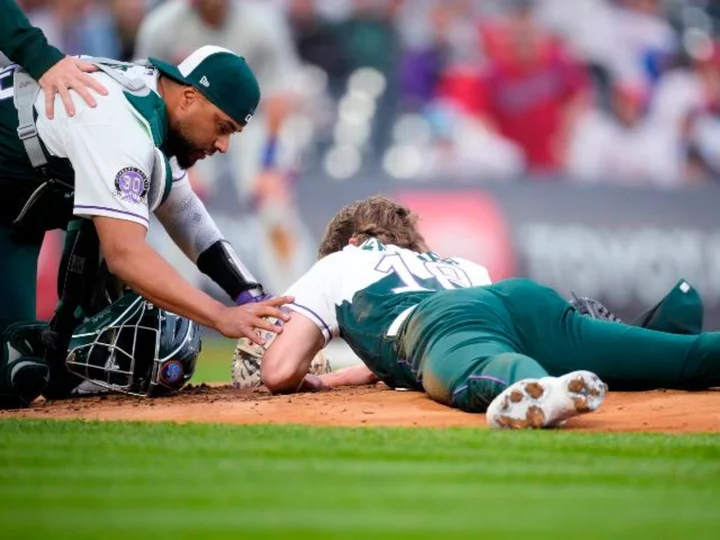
pixel 23 374
pixel 18 275
pixel 75 288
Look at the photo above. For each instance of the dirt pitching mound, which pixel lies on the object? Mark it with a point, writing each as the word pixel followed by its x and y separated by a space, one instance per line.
pixel 656 411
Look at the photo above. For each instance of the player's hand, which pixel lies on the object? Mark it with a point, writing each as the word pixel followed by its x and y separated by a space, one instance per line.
pixel 66 74
pixel 242 321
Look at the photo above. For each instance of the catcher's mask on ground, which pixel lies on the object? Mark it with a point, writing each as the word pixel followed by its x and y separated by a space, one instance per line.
pixel 136 348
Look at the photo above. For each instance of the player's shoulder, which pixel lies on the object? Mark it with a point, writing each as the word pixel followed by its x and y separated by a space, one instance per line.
pixel 114 117
pixel 113 108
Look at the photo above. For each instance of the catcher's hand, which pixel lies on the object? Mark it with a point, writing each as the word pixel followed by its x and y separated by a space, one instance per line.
pixel 593 309
pixel 248 356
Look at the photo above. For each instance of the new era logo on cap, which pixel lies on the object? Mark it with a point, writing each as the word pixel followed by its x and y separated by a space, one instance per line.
pixel 204 81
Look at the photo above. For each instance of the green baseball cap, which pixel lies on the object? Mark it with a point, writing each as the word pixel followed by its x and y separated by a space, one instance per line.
pixel 222 76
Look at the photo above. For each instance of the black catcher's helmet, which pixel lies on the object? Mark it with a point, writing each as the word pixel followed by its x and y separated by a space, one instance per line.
pixel 136 348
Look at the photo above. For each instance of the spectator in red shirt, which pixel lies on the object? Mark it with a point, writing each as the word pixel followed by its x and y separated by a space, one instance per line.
pixel 530 90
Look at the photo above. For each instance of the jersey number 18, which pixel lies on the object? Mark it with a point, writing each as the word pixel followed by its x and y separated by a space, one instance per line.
pixel 411 269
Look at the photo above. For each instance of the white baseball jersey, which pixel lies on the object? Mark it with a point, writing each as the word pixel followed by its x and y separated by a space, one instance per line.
pixel 111 149
pixel 111 155
pixel 369 290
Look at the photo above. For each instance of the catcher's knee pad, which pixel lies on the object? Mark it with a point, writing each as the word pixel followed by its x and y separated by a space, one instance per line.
pixel 23 373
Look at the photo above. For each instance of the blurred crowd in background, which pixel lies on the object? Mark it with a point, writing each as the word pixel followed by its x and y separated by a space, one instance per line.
pixel 624 91
pixel 467 91
pixel 472 109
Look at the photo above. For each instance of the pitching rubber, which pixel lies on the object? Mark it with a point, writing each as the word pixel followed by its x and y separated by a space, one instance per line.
pixel 546 402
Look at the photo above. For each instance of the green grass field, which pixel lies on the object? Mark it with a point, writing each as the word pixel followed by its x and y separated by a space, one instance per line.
pixel 102 480
pixel 90 480
pixel 214 362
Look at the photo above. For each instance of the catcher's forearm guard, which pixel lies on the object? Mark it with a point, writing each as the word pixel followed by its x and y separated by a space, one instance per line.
pixel 221 264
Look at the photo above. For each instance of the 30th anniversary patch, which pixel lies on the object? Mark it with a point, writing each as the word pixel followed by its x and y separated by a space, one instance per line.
pixel 131 185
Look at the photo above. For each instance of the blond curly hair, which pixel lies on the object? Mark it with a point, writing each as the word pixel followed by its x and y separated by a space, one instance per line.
pixel 374 217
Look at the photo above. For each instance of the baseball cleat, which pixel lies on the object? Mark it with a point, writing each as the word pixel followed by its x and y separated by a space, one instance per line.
pixel 546 402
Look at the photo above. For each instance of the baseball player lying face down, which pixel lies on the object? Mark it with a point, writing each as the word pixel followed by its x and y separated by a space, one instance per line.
pixel 514 349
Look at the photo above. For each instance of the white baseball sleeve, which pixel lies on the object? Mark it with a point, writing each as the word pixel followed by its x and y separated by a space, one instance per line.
pixel 314 296
pixel 186 219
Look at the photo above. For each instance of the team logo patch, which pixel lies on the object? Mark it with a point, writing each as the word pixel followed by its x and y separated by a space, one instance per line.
pixel 171 373
pixel 131 185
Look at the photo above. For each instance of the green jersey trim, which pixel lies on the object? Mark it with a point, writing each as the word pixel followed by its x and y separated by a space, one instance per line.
pixel 151 111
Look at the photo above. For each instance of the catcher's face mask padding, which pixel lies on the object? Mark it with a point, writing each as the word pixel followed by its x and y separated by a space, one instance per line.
pixel 136 348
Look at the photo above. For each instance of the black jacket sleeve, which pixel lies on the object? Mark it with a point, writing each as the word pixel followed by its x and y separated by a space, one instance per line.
pixel 23 43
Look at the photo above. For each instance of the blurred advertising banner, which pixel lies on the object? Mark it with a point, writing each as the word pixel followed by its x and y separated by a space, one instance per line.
pixel 467 225
pixel 624 246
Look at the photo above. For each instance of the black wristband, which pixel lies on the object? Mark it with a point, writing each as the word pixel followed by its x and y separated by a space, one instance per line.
pixel 220 263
